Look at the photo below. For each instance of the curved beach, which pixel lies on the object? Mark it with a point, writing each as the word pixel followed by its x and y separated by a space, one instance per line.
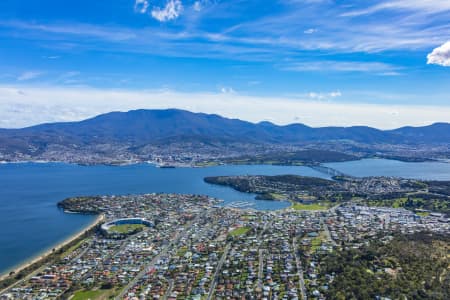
pixel 26 264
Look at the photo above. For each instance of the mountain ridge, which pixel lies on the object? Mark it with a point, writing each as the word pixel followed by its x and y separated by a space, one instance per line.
pixel 141 129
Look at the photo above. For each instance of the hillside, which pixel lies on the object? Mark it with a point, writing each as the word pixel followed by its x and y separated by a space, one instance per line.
pixel 138 132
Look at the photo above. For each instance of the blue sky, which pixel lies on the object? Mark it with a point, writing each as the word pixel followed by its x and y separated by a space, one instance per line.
pixel 383 63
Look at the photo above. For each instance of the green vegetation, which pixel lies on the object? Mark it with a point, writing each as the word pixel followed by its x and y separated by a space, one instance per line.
pixel 53 257
pixel 207 164
pixel 273 187
pixel 239 231
pixel 314 206
pixel 371 191
pixel 423 213
pixel 415 202
pixel 92 295
pixel 126 228
pixel 182 251
pixel 317 241
pixel 297 158
pixel 74 247
pixel 409 267
pixel 277 196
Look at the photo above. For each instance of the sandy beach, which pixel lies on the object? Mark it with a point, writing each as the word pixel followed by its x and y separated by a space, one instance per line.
pixel 70 239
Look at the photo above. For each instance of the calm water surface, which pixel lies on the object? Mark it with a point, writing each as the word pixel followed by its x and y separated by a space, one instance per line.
pixel 31 222
pixel 385 167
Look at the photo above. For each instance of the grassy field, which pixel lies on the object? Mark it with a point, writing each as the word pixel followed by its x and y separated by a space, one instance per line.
pixel 317 241
pixel 316 206
pixel 423 213
pixel 399 202
pixel 278 196
pixel 207 164
pixel 92 295
pixel 125 228
pixel 239 231
pixel 74 247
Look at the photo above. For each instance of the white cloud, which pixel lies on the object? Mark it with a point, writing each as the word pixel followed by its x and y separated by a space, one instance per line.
pixel 29 75
pixel 335 94
pixel 341 66
pixel 24 106
pixel 227 90
pixel 324 96
pixel 423 6
pixel 197 6
pixel 310 31
pixel 141 6
pixel 440 55
pixel 171 11
pixel 52 57
pixel 73 29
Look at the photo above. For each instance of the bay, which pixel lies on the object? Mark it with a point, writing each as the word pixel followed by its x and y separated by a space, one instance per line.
pixel 31 223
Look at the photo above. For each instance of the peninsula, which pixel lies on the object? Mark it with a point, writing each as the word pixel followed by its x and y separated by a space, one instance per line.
pixel 188 247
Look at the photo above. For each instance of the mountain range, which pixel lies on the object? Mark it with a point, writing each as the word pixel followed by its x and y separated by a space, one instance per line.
pixel 138 128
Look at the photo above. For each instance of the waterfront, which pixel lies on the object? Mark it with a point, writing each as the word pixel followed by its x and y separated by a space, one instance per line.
pixel 31 223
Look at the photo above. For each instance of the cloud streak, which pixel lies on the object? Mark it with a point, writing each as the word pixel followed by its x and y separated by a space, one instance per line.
pixel 29 75
pixel 24 106
pixel 141 6
pixel 342 66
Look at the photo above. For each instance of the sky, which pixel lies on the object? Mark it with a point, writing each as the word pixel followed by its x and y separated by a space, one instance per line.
pixel 381 63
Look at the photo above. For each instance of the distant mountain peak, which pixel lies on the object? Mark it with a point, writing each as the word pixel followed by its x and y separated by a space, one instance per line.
pixel 153 126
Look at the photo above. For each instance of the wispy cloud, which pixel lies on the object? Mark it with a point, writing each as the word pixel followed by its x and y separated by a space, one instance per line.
pixel 71 29
pixel 423 6
pixel 294 30
pixel 324 96
pixel 171 11
pixel 310 31
pixel 29 75
pixel 141 6
pixel 341 66
pixel 198 6
pixel 25 106
pixel 440 55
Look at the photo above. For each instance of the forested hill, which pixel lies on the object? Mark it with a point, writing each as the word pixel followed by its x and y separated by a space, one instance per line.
pixel 156 125
pixel 138 128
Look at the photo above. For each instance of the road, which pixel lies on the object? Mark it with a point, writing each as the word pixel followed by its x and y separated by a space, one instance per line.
pixel 325 226
pixel 153 262
pixel 260 267
pixel 216 273
pixel 301 281
pixel 169 290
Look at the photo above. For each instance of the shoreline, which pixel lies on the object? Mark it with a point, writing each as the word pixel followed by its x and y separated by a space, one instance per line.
pixel 16 269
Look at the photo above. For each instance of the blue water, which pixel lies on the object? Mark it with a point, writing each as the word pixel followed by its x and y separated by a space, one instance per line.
pixel 385 167
pixel 31 222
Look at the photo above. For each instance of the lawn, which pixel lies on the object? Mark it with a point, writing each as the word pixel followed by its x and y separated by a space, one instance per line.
pixel 399 202
pixel 317 241
pixel 239 231
pixel 126 228
pixel 74 247
pixel 423 213
pixel 315 206
pixel 278 197
pixel 92 295
pixel 207 164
